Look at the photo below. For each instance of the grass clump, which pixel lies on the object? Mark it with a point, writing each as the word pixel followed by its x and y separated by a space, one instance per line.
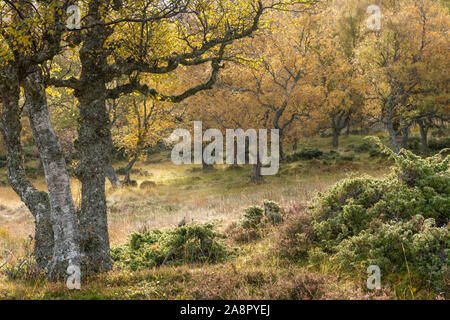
pixel 189 244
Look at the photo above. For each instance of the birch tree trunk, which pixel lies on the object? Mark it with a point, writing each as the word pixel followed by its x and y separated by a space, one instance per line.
pixel 390 127
pixel 393 137
pixel 36 201
pixel 66 251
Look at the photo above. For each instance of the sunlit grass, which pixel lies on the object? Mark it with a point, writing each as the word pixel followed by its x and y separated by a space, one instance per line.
pixel 185 191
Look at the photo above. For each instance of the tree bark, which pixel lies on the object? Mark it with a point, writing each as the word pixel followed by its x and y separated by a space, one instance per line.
pixel 66 250
pixel 335 138
pixel 281 148
pixel 339 121
pixel 256 176
pixel 295 146
pixel 128 168
pixel 393 137
pixel 390 124
pixel 424 138
pixel 405 136
pixel 94 146
pixel 94 143
pixel 112 176
pixel 37 202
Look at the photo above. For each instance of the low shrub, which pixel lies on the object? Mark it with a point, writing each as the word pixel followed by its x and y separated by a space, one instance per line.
pixel 302 286
pixel 192 243
pixel 440 132
pixel 296 236
pixel 256 217
pixel 439 144
pixel 392 222
pixel 348 157
pixel 364 146
pixel 414 144
pixel 4 181
pixel 255 222
pixel 315 154
pixel 242 235
pixel 253 217
pixel 414 245
pixel 305 154
pixel 272 212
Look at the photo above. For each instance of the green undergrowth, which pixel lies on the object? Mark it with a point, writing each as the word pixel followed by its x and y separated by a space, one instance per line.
pixel 399 223
pixel 188 244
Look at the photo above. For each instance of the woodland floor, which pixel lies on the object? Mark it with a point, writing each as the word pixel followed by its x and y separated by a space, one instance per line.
pixel 221 196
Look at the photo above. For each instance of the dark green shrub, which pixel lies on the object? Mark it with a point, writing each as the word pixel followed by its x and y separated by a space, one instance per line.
pixel 332 155
pixel 192 243
pixel 374 153
pixel 439 144
pixel 391 222
pixel 414 144
pixel 348 157
pixel 416 244
pixel 255 221
pixel 364 146
pixel 305 154
pixel 440 132
pixel 4 181
pixel 272 212
pixel 253 217
pixel 32 172
pixel 121 171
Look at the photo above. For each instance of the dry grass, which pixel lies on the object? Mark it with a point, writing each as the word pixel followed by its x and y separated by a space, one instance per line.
pixel 184 191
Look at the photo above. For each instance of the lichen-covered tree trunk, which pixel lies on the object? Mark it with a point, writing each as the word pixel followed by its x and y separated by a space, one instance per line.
pixel 36 201
pixel 66 250
pixel 112 176
pixel 393 137
pixel 406 133
pixel 94 143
